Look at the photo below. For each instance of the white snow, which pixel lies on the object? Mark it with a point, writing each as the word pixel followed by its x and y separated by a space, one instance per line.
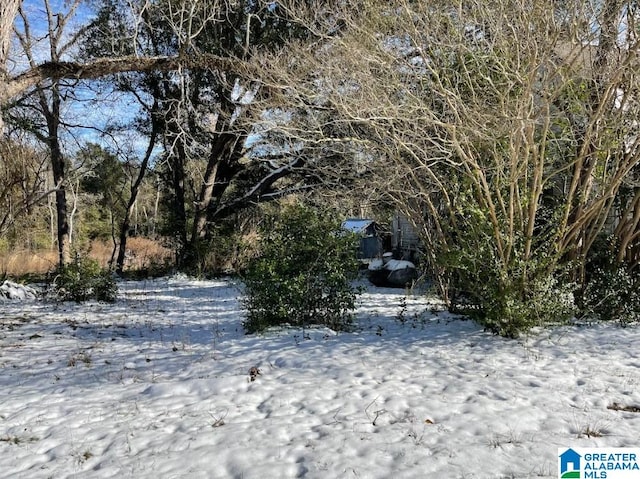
pixel 398 264
pixel 158 386
pixel 11 290
pixel 390 264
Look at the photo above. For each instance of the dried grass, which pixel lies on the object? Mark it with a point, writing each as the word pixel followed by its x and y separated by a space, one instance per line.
pixel 24 262
pixel 142 253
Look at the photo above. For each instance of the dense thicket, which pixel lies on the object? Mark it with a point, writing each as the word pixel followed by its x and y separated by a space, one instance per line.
pixel 506 131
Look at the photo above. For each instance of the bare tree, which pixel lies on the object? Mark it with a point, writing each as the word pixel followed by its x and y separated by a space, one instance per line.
pixel 48 106
pixel 205 115
pixel 135 190
pixel 16 82
pixel 23 179
pixel 55 78
pixel 505 130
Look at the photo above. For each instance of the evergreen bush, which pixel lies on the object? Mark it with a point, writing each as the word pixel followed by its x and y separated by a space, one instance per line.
pixel 612 290
pixel 84 279
pixel 302 274
pixel 613 294
pixel 510 310
pixel 506 298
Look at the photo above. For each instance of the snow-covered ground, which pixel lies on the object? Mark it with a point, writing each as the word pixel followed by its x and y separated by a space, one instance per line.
pixel 159 386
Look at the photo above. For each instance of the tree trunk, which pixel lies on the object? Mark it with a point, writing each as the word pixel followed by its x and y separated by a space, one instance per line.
pixel 575 241
pixel 8 12
pixel 223 154
pixel 126 223
pixel 179 207
pixel 52 116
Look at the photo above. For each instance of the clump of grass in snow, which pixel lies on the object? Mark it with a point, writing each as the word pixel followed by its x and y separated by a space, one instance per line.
pixel 17 440
pixel 82 356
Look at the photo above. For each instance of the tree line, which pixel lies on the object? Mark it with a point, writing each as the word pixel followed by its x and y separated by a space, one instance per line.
pixel 506 131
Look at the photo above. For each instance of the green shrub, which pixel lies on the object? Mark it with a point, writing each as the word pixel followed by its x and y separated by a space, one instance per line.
pixel 302 274
pixel 510 310
pixel 613 294
pixel 506 299
pixel 84 279
pixel 612 290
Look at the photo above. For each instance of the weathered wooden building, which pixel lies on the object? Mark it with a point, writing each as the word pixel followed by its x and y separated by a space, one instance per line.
pixel 405 242
pixel 371 236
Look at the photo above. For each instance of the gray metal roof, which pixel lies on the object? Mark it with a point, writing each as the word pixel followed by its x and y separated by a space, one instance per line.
pixel 356 225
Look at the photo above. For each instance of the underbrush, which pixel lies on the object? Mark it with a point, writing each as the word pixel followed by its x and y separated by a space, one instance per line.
pixel 81 280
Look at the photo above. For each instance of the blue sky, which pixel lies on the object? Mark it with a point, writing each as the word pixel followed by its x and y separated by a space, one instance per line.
pixel 90 111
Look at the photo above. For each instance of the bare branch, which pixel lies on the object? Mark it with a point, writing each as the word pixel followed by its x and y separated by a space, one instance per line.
pixel 108 66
